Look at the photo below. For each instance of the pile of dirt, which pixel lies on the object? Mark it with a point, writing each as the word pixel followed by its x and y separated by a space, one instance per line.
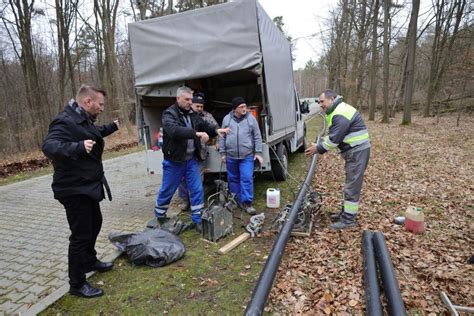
pixel 426 165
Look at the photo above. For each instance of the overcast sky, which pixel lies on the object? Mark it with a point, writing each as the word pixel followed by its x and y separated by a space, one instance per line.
pixel 302 18
pixel 304 21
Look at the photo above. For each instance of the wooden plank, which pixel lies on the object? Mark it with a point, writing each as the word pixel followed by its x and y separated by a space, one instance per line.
pixel 300 234
pixel 234 243
pixel 303 234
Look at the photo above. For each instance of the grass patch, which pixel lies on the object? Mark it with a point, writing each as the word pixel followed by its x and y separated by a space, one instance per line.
pixel 203 282
pixel 26 175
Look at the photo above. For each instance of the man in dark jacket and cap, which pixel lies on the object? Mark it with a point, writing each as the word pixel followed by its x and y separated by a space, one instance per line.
pixel 75 146
pixel 183 132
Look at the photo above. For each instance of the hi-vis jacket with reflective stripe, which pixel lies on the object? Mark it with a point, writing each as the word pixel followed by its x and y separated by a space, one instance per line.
pixel 346 129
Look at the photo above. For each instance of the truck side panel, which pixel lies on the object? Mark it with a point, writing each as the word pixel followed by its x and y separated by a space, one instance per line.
pixel 278 70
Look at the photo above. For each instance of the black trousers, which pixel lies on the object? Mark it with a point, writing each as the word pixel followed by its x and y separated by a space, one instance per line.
pixel 85 220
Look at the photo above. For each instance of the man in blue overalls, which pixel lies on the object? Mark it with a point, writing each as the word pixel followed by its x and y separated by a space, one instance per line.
pixel 183 131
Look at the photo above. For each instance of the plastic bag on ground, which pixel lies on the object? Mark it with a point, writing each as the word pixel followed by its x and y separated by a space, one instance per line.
pixel 154 247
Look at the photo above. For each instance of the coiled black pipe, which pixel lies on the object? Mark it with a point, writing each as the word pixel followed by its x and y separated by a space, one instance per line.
pixel 265 281
pixel 372 291
pixel 390 283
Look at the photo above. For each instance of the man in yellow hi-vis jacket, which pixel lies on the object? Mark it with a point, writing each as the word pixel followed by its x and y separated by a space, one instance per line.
pixel 348 134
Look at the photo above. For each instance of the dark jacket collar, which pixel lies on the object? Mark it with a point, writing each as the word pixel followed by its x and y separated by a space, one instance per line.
pixel 180 111
pixel 78 113
pixel 69 109
pixel 80 117
pixel 182 114
pixel 335 103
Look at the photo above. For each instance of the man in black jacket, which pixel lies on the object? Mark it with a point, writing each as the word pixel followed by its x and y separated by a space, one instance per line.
pixel 183 131
pixel 75 146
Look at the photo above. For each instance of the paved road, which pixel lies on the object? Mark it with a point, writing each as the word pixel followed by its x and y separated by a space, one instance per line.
pixel 34 231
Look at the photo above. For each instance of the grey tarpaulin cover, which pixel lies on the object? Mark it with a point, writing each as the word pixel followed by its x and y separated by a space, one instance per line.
pixel 214 40
pixel 154 247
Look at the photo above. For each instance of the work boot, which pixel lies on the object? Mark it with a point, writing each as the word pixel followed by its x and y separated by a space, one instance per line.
pixel 249 209
pixel 157 222
pixel 183 204
pixel 336 217
pixel 346 221
pixel 199 228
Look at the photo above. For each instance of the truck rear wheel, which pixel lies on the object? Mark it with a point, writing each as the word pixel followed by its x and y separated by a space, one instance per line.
pixel 280 165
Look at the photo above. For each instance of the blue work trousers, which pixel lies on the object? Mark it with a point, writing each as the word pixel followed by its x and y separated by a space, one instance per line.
pixel 173 173
pixel 183 192
pixel 240 178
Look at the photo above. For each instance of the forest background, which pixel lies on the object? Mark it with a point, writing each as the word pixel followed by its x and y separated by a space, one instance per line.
pixel 369 52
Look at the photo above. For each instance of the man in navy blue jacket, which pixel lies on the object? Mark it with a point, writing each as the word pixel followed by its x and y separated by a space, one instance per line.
pixel 75 146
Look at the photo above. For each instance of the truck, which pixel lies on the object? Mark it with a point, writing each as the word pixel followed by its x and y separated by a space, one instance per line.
pixel 224 50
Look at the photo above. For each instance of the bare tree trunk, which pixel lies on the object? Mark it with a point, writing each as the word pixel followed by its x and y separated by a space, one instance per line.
pixel 71 7
pixel 61 63
pixel 361 21
pixel 98 45
pixel 364 48
pixel 448 17
pixel 386 59
pixel 373 67
pixel 344 46
pixel 410 65
pixel 399 90
pixel 22 11
pixel 107 12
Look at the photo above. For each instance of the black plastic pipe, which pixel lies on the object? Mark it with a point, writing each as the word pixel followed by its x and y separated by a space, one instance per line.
pixel 265 281
pixel 372 290
pixel 389 280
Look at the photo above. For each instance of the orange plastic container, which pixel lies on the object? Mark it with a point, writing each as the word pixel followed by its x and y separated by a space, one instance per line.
pixel 415 220
pixel 254 111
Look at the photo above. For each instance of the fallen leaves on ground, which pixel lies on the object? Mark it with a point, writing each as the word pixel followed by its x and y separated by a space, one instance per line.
pixel 11 168
pixel 14 163
pixel 426 165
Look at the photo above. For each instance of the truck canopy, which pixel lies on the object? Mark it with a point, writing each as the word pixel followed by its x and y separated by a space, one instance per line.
pixel 215 40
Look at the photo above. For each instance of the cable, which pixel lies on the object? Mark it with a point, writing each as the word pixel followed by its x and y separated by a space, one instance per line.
pixel 321 132
pixel 286 170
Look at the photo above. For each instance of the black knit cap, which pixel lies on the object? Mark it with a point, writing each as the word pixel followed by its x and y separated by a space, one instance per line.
pixel 236 102
pixel 198 98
